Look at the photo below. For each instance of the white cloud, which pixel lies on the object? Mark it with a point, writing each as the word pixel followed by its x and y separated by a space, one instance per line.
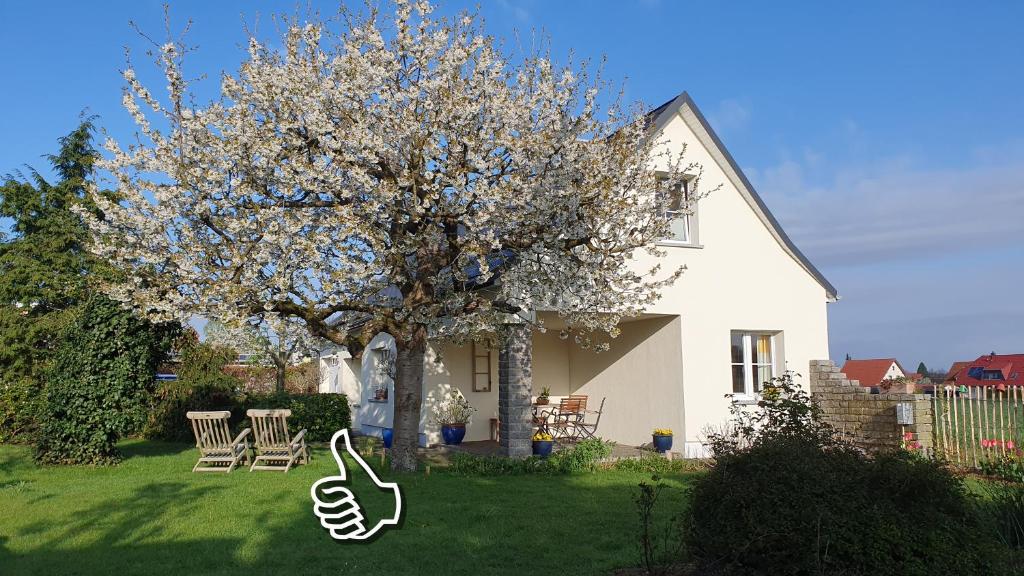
pixel 515 8
pixel 894 210
pixel 730 115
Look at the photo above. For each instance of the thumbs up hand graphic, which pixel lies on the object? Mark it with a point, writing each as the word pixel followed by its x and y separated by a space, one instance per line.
pixel 336 506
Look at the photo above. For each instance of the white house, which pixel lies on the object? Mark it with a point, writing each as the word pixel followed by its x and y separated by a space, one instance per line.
pixel 749 307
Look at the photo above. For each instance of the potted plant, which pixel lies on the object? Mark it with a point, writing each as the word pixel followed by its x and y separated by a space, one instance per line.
pixel 542 444
pixel 453 414
pixel 544 397
pixel 662 439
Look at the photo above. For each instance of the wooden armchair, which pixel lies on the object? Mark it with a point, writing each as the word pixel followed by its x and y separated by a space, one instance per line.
pixel 561 422
pixel 275 448
pixel 213 439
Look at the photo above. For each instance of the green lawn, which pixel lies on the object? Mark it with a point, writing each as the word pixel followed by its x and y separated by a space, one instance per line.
pixel 152 515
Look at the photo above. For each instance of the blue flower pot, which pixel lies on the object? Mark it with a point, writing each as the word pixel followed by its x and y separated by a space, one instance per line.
pixel 386 435
pixel 453 433
pixel 662 443
pixel 542 448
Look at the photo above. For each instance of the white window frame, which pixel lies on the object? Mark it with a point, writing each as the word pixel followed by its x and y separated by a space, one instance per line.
pixel 748 364
pixel 690 223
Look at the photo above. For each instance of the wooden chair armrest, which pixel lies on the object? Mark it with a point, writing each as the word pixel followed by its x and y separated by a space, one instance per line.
pixel 299 438
pixel 241 435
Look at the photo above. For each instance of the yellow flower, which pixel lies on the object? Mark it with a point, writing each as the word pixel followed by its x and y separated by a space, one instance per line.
pixel 542 437
pixel 662 431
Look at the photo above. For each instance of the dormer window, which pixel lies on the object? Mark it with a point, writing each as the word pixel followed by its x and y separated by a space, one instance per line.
pixel 992 375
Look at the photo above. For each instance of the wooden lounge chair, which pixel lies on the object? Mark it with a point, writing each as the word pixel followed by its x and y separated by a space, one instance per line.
pixel 213 439
pixel 275 449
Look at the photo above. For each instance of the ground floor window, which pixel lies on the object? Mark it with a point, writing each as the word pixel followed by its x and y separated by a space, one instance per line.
pixel 753 361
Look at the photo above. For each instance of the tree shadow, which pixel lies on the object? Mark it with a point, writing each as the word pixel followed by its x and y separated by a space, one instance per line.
pixel 263 524
pixel 144 448
pixel 123 534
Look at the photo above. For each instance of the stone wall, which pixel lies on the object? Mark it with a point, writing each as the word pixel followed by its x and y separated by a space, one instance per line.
pixel 868 420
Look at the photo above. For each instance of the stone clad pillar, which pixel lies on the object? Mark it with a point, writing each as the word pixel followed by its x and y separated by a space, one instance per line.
pixel 515 389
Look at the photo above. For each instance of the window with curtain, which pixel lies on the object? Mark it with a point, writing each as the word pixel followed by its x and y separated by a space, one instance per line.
pixel 680 221
pixel 753 361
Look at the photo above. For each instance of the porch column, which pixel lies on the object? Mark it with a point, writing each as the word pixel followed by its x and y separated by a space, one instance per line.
pixel 515 387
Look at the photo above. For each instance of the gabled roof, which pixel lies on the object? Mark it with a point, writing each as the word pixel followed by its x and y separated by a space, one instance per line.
pixel 684 106
pixel 1008 370
pixel 869 372
pixel 954 370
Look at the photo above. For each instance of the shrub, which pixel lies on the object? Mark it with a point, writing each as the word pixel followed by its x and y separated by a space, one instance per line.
pixel 584 456
pixel 581 457
pixel 100 383
pixel 1008 467
pixel 659 542
pixel 785 497
pixel 463 464
pixel 201 385
pixel 320 414
pixel 651 464
pixel 22 401
pixel 789 506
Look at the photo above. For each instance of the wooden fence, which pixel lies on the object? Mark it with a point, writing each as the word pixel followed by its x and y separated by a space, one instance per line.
pixel 983 423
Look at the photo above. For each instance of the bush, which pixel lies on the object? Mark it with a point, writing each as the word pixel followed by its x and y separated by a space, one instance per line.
pixel 100 384
pixel 463 464
pixel 581 457
pixel 584 456
pixel 22 403
pixel 204 384
pixel 320 414
pixel 785 497
pixel 790 506
pixel 659 465
pixel 201 385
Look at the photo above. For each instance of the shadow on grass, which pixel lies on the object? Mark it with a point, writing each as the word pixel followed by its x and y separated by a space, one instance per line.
pixel 143 448
pixel 263 524
pixel 118 535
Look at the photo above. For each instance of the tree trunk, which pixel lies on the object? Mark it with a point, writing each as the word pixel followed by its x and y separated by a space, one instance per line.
pixel 408 400
pixel 281 371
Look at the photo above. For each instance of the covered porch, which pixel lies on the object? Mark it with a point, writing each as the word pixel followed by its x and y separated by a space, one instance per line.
pixel 640 379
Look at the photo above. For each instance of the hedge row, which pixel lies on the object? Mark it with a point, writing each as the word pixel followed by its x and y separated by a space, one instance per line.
pixel 320 414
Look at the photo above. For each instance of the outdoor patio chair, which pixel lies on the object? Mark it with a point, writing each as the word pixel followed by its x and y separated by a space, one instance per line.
pixel 275 448
pixel 561 422
pixel 587 428
pixel 213 439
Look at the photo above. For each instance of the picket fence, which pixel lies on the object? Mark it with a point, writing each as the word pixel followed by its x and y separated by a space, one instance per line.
pixel 984 423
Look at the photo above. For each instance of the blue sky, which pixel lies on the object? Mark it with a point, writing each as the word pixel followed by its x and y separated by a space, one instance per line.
pixel 887 137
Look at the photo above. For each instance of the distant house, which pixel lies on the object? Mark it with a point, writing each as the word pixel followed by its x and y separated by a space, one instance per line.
pixel 997 370
pixel 873 372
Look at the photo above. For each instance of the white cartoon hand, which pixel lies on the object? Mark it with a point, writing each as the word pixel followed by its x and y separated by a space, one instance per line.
pixel 336 506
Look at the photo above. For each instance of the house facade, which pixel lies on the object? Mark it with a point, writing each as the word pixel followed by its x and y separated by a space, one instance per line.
pixel 749 307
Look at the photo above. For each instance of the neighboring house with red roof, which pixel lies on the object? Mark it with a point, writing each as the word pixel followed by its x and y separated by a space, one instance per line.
pixel 988 370
pixel 873 372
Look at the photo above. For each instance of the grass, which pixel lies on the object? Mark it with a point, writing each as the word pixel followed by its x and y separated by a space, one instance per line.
pixel 152 515
pixel 964 423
